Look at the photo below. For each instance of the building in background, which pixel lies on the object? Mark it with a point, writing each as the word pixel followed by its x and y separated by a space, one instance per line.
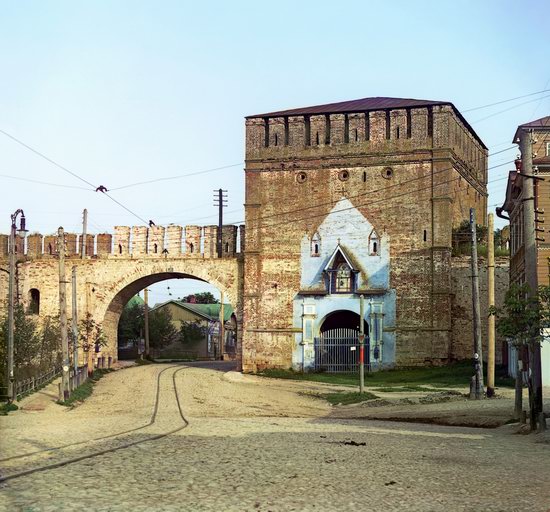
pixel 514 208
pixel 201 331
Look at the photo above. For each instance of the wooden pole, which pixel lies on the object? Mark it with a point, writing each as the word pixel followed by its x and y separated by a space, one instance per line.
pixel 63 312
pixel 74 322
pixel 478 349
pixel 84 233
pixel 146 321
pixel 491 303
pixel 361 344
pixel 222 325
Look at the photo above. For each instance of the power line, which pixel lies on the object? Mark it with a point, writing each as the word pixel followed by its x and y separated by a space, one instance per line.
pixel 510 108
pixel 42 155
pixel 508 100
pixel 29 180
pixel 177 177
pixel 382 189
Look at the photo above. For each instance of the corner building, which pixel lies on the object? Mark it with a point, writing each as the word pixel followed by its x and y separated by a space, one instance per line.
pixel 349 199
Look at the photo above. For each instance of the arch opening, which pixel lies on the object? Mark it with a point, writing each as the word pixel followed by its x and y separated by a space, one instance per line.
pixel 177 329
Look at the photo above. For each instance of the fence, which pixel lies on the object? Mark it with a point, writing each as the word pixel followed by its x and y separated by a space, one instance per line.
pixel 32 384
pixel 337 351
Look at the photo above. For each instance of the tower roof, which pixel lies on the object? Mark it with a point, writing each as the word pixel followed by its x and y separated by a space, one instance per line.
pixel 365 105
pixel 342 107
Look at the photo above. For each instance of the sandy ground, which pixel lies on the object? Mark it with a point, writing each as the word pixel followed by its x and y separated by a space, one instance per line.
pixel 256 444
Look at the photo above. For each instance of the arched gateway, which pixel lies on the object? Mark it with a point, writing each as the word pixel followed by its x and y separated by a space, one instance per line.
pixel 107 278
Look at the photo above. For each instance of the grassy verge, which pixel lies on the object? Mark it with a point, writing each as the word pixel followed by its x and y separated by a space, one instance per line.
pixel 85 390
pixel 453 375
pixel 6 408
pixel 344 398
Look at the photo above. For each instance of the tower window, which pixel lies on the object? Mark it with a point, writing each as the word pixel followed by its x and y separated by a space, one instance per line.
pixel 364 176
pixel 155 248
pixel 425 236
pixel 355 135
pixel 226 246
pixel 276 139
pixel 191 248
pixel 317 138
pixel 34 301
pixel 120 248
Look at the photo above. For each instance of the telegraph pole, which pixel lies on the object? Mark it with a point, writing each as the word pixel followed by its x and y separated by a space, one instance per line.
pixel 531 278
pixel 220 200
pixel 11 299
pixel 478 349
pixel 361 344
pixel 146 321
pixel 84 233
pixel 491 297
pixel 74 323
pixel 63 312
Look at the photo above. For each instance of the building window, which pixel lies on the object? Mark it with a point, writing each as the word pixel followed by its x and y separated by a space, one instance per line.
pixel 316 245
pixel 374 244
pixel 343 279
pixel 548 149
pixel 34 301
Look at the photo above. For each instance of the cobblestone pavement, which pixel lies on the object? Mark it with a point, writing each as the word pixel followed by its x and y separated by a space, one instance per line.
pixel 256 444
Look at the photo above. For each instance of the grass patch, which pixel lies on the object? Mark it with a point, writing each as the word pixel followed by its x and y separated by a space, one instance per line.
pixel 344 398
pixel 449 376
pixel 85 390
pixel 404 389
pixel 141 362
pixel 6 408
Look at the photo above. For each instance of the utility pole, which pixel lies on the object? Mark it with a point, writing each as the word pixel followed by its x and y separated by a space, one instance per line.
pixel 146 321
pixel 11 299
pixel 220 200
pixel 222 325
pixel 478 349
pixel 531 278
pixel 491 297
pixel 74 323
pixel 84 233
pixel 361 344
pixel 63 312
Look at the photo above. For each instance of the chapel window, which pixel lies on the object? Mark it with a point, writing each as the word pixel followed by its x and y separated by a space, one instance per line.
pixel 374 244
pixel 316 245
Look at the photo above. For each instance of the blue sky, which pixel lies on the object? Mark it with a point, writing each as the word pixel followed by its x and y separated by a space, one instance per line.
pixel 121 92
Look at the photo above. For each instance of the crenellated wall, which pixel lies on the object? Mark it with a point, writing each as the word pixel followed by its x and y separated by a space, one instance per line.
pixel 134 242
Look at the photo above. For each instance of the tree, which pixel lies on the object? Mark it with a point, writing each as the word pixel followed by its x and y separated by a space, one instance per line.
pixel 523 319
pixel 201 298
pixel 191 333
pixel 162 331
pixel 130 325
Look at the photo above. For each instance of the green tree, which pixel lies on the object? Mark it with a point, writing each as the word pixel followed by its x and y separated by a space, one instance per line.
pixel 130 325
pixel 162 331
pixel 26 344
pixel 90 334
pixel 201 298
pixel 523 319
pixel 191 333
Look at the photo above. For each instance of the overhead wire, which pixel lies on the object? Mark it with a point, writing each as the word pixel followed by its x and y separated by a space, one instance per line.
pixel 508 100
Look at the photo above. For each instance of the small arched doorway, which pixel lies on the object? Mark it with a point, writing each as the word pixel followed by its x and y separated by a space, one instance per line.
pixel 337 347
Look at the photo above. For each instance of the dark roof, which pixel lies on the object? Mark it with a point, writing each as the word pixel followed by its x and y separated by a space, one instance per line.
pixel 542 160
pixel 377 103
pixel 366 104
pixel 543 122
pixel 208 311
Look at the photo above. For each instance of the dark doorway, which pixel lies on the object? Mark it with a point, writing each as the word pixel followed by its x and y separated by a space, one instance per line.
pixel 343 320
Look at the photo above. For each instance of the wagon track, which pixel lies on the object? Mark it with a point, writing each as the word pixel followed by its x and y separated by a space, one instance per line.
pixel 152 421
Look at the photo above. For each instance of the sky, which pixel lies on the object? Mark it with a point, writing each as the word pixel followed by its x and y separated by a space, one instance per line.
pixel 129 91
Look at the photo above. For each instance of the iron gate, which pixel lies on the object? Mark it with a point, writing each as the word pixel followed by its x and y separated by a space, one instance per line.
pixel 337 350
